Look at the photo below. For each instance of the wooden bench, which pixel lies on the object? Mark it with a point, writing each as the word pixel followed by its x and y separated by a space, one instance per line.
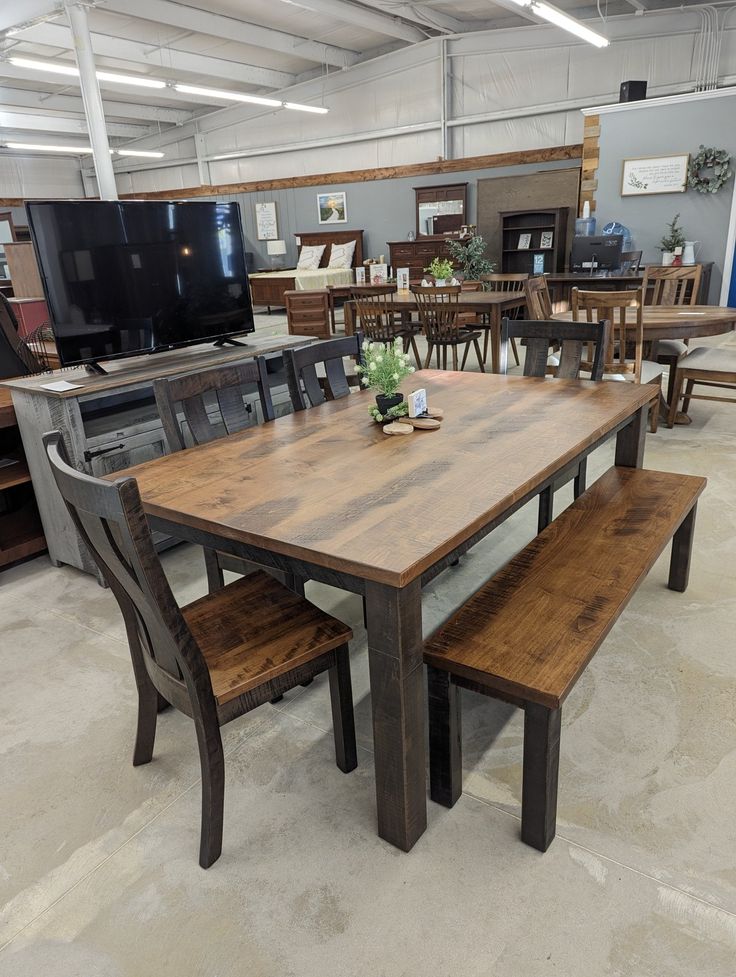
pixel 528 633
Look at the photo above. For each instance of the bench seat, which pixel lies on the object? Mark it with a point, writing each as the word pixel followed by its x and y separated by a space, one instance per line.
pixel 527 635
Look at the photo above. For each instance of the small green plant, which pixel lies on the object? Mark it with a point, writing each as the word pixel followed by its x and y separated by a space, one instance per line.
pixel 440 268
pixel 470 256
pixel 384 366
pixel 675 236
pixel 401 410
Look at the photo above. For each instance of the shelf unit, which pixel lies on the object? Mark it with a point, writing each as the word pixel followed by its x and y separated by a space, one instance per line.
pixel 537 224
pixel 21 533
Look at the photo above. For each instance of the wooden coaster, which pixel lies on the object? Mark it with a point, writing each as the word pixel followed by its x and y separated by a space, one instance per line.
pixel 398 429
pixel 437 413
pixel 422 423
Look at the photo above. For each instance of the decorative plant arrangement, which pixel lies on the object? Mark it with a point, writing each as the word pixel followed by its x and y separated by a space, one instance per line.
pixel 469 256
pixel 440 269
pixel 672 240
pixel 384 367
pixel 709 159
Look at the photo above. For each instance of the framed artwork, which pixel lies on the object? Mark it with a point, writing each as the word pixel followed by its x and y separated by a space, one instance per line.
pixel 332 208
pixel 378 273
pixel 266 225
pixel 654 174
pixel 525 241
pixel 546 239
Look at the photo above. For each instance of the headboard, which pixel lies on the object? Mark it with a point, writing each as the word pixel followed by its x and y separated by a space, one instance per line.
pixel 328 238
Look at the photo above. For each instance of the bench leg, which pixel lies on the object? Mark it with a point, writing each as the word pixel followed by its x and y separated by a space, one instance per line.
pixel 546 507
pixel 580 479
pixel 445 738
pixel 682 547
pixel 541 764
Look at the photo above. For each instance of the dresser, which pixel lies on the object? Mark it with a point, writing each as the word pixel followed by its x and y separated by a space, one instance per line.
pixel 416 255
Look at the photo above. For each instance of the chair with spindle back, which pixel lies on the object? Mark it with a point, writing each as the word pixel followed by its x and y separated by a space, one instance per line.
pixel 513 283
pixel 214 659
pixel 438 314
pixel 631 261
pixel 538 299
pixel 16 358
pixel 306 388
pixel 211 404
pixel 378 321
pixel 672 285
pixel 571 339
pixel 626 335
pixel 308 313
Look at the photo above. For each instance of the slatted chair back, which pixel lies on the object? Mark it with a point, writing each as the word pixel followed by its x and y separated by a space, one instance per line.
pixel 538 300
pixel 505 283
pixel 623 310
pixel 377 321
pixel 673 285
pixel 224 388
pixel 631 261
pixel 301 364
pixel 16 359
pixel 571 337
pixel 438 311
pixel 110 519
pixel 308 313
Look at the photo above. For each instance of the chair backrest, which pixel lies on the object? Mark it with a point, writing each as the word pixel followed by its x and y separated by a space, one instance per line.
pixel 16 359
pixel 620 309
pixel 301 364
pixel 223 387
pixel 110 519
pixel 471 286
pixel 505 283
pixel 674 284
pixel 438 307
pixel 631 260
pixel 538 335
pixel 376 319
pixel 308 313
pixel 538 301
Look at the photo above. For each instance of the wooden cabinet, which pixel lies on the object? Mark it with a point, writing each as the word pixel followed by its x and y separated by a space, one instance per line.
pixel 416 255
pixel 21 534
pixel 533 241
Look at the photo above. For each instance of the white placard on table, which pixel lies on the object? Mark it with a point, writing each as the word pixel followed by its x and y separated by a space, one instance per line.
pixel 402 279
pixel 654 174
pixel 378 273
pixel 360 275
pixel 267 228
pixel 59 386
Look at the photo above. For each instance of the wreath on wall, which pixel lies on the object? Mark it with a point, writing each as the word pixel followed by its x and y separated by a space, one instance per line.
pixel 716 160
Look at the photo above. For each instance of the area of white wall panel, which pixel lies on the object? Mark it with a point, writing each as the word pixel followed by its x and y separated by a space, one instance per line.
pixel 31 176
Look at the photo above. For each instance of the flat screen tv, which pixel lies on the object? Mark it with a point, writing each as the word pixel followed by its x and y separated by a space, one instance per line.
pixel 128 277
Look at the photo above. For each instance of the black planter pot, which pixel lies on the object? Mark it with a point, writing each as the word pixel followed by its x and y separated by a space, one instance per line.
pixel 384 402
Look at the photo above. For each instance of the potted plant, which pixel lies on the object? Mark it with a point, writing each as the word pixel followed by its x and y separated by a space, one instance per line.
pixel 672 240
pixel 440 269
pixel 469 255
pixel 383 368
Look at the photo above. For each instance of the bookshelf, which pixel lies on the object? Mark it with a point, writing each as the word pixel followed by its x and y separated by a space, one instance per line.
pixel 527 235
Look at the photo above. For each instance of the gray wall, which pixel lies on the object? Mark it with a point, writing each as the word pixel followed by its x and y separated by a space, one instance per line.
pixel 384 209
pixel 660 131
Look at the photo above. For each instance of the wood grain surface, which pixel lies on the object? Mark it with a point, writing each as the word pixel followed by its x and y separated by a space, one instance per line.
pixel 679 322
pixel 7 413
pixel 326 486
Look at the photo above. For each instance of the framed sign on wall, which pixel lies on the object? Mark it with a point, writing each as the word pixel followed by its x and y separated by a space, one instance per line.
pixel 266 225
pixel 654 174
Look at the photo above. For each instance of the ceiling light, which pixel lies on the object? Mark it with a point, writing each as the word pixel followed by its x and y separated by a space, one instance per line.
pixel 49 149
pixel 230 96
pixel 556 17
pixel 305 108
pixel 148 154
pixel 57 68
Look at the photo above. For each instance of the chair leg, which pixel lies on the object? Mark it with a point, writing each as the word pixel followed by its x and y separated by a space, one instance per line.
pixel 486 341
pixel 686 400
pixel 215 576
pixel 514 350
pixel 438 357
pixel 148 709
pixel 541 766
pixel 428 360
pixel 675 399
pixel 212 763
pixel 445 738
pixel 578 485
pixel 454 357
pixel 546 508
pixel 682 548
pixel 478 354
pixel 413 344
pixel 444 357
pixel 343 718
pixel 465 355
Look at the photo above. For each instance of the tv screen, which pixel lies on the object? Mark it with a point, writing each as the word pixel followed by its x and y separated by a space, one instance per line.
pixel 129 277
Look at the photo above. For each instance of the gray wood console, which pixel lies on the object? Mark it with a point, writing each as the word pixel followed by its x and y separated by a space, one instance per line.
pixel 110 423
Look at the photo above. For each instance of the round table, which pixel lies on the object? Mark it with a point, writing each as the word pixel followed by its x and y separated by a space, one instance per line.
pixel 679 321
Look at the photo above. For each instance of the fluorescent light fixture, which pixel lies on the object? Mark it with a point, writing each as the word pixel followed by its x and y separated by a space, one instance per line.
pixel 230 96
pixel 147 154
pixel 305 108
pixel 556 17
pixel 48 149
pixel 57 68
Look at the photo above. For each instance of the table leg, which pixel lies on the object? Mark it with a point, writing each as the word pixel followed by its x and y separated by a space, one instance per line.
pixel 495 320
pixel 630 440
pixel 395 651
pixel 349 317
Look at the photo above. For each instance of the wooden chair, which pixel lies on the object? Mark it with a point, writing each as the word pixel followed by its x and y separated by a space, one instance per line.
pixel 223 388
pixel 438 314
pixel 672 285
pixel 538 300
pixel 380 323
pixel 214 659
pixel 570 338
pixel 16 358
pixel 308 313
pixel 707 366
pixel 631 261
pixel 615 307
pixel 306 388
pixel 514 283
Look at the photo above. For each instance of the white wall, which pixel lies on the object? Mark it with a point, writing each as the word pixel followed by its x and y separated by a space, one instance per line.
pixel 34 176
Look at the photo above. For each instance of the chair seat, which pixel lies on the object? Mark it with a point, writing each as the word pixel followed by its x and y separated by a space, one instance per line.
pixel 650 372
pixel 671 347
pixel 462 337
pixel 712 359
pixel 255 629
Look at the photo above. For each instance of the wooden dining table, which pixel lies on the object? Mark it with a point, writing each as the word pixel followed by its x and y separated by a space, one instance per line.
pixel 678 321
pixel 492 305
pixel 324 494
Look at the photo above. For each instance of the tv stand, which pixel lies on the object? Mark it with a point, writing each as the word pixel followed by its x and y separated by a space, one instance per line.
pixel 95 368
pixel 228 342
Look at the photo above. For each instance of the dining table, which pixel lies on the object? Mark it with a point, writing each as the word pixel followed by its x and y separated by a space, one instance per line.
pixel 325 495
pixel 489 306
pixel 677 321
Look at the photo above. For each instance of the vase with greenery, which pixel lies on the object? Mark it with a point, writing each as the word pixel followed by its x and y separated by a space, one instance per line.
pixel 673 239
pixel 440 269
pixel 383 368
pixel 469 256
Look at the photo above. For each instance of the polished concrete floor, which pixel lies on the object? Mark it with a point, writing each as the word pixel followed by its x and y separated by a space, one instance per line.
pixel 98 860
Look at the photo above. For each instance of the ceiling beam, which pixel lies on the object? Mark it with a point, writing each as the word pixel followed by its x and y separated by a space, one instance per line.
pixel 217 25
pixel 139 52
pixel 416 14
pixel 15 12
pixel 360 16
pixel 22 98
pixel 68 124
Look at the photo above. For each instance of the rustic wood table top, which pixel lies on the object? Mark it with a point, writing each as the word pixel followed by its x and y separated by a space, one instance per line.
pixel 323 494
pixel 680 321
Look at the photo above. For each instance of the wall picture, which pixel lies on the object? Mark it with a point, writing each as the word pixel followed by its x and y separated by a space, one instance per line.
pixel 546 239
pixel 266 225
pixel 332 208
pixel 525 241
pixel 654 174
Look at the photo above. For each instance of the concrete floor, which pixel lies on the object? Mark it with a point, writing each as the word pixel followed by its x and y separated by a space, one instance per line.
pixel 98 860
